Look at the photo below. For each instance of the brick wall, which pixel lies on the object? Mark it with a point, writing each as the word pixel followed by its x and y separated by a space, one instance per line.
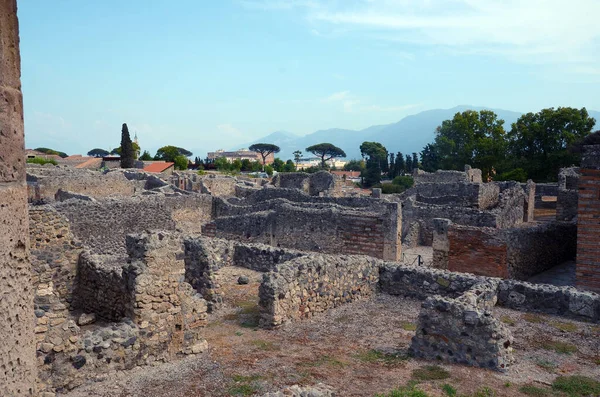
pixel 480 251
pixel 363 236
pixel 588 221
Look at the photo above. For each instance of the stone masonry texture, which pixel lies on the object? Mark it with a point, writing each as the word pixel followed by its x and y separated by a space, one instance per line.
pixel 17 350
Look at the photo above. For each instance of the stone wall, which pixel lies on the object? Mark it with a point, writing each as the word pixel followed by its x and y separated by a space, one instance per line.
pixel 306 286
pixel 444 176
pixel 422 282
pixel 17 350
pixel 103 225
pixel 463 330
pixel 588 220
pixel 291 219
pixel 165 316
pixel 43 183
pixel 567 198
pixel 204 257
pixel 517 253
pixel 321 183
pixel 100 286
pixel 169 313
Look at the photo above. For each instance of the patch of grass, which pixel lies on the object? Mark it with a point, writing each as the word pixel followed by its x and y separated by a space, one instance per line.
pixel 404 391
pixel 597 360
pixel 265 345
pixel 245 379
pixel 547 365
pixel 408 326
pixel 532 390
pixel 559 347
pixel 508 320
pixel 374 356
pixel 485 392
pixel 324 360
pixel 430 372
pixel 507 385
pixel 244 385
pixel 238 333
pixel 449 390
pixel 577 386
pixel 242 390
pixel 564 326
pixel 533 318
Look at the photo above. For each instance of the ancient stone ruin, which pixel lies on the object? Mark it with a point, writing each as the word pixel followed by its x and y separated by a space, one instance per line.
pixel 110 271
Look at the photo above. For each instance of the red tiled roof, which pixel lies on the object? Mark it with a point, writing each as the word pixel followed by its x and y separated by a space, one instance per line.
pixel 158 166
pixel 91 163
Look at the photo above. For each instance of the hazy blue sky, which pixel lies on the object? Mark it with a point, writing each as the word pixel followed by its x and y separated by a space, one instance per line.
pixel 205 74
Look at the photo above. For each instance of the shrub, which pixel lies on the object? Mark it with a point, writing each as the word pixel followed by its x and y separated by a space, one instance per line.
pixel 404 181
pixel 41 161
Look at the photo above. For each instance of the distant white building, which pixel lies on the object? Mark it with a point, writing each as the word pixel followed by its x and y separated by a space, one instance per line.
pixel 241 154
pixel 316 162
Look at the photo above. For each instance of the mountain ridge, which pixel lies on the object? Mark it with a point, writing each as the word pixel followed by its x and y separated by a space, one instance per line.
pixel 408 135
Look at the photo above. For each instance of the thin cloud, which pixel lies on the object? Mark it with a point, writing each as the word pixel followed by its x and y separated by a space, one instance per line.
pixel 532 31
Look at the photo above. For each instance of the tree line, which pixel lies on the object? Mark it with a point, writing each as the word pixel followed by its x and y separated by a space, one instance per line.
pixel 536 146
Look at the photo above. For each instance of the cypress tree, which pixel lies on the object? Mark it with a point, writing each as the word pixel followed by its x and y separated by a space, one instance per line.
pixel 127 152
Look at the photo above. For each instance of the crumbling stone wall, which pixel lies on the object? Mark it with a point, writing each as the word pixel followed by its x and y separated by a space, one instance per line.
pixel 445 176
pixel 421 282
pixel 321 183
pixel 165 316
pixel 169 313
pixel 44 181
pixel 306 286
pixel 204 257
pixel 517 253
pixel 567 198
pixel 103 225
pixel 17 350
pixel 100 286
pixel 298 221
pixel 588 220
pixel 463 330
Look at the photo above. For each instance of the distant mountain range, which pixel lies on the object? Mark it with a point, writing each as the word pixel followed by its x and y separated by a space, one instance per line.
pixel 408 135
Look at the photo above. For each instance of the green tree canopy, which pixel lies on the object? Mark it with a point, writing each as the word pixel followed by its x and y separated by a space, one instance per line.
pixel 136 150
pixel 539 142
pixel 97 152
pixel 146 156
pixel 355 165
pixel 168 153
pixel 326 151
pixel 373 150
pixel 127 151
pixel 471 137
pixel 181 162
pixel 264 149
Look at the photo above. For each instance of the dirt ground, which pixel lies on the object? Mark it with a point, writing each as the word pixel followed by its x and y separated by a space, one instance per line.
pixel 358 349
